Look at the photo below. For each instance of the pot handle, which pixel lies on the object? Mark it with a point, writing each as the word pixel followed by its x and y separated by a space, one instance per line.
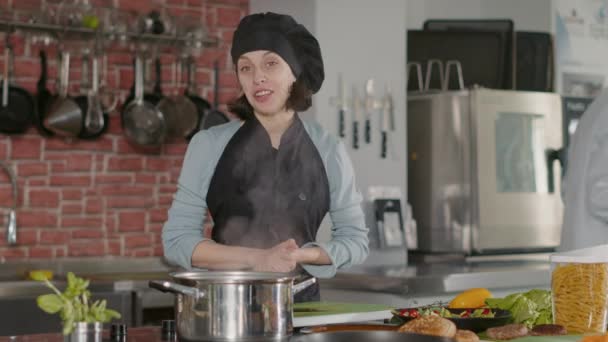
pixel 167 286
pixel 304 284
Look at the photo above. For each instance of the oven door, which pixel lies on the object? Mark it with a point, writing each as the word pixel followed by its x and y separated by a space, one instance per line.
pixel 518 204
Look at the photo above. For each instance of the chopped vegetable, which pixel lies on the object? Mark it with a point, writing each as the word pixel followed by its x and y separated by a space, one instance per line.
pixel 530 308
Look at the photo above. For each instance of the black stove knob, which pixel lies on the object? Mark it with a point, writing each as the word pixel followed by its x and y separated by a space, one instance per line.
pixel 168 329
pixel 118 332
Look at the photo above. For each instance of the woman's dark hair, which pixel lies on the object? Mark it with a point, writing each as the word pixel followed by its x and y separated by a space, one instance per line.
pixel 300 99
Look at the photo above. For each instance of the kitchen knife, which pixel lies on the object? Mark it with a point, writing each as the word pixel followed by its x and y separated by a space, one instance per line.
pixel 369 107
pixel 391 108
pixel 356 118
pixel 385 126
pixel 342 106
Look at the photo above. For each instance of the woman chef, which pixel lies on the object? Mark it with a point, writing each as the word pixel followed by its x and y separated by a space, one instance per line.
pixel 268 179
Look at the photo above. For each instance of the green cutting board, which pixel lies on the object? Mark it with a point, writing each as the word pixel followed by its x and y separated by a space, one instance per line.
pixel 309 309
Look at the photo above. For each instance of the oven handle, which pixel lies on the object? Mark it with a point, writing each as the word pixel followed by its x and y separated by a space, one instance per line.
pixel 553 155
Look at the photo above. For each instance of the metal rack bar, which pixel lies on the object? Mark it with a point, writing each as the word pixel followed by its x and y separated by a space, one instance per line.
pixel 90 33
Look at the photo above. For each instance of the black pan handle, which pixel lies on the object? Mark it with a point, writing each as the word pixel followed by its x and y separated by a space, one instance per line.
pixel 157 86
pixel 552 155
pixel 341 128
pixel 384 143
pixel 356 135
pixel 368 130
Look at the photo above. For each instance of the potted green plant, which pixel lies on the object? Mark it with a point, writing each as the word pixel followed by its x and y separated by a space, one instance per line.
pixel 74 305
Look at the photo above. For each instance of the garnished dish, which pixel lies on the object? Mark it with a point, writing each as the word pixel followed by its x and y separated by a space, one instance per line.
pixel 474 319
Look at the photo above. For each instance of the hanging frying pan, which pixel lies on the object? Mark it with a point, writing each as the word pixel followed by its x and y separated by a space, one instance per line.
pixel 143 123
pixel 17 107
pixel 215 117
pixel 202 105
pixel 43 98
pixel 180 112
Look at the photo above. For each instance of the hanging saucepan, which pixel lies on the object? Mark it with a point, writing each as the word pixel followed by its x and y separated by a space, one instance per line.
pixel 43 98
pixel 233 305
pixel 17 110
pixel 202 105
pixel 180 112
pixel 65 115
pixel 142 122
pixel 215 116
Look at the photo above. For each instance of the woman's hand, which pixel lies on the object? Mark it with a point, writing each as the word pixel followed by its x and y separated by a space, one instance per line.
pixel 279 258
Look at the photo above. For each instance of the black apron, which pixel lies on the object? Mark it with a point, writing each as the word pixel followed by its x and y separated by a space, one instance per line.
pixel 259 196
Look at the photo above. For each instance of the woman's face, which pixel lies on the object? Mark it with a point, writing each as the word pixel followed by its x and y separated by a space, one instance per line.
pixel 266 80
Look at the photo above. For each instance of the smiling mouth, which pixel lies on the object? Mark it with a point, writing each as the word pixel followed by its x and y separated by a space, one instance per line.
pixel 262 93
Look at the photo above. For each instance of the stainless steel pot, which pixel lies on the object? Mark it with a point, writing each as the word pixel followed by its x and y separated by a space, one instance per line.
pixel 233 305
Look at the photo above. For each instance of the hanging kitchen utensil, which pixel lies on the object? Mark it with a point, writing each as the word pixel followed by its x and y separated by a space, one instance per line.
pixel 356 117
pixel 246 306
pixel 342 107
pixel 65 115
pixel 44 98
pixel 386 123
pixel 202 105
pixel 11 227
pixel 18 105
pixel 179 111
pixel 215 116
pixel 142 122
pixel 369 108
pixel 96 119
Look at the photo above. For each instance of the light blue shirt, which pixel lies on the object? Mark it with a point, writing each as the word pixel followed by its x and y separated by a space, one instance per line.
pixel 183 229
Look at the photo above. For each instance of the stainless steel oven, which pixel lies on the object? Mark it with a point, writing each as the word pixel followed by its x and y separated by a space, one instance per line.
pixel 483 171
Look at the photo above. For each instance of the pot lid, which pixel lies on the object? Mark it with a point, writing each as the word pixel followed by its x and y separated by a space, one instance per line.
pixel 233 276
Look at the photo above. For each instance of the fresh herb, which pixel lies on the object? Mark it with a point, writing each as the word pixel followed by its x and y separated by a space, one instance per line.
pixel 74 304
pixel 530 308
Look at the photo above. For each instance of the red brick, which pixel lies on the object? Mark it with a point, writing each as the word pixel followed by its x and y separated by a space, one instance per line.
pixel 131 221
pixel 87 234
pixel 71 209
pixel 158 251
pixel 140 253
pixel 37 182
pixel 3 148
pixel 27 237
pixel 171 189
pixel 88 248
pixel 165 200
pixel 41 252
pixel 44 198
pixel 136 6
pixel 68 180
pixel 129 202
pixel 60 251
pixel 155 227
pixel 115 126
pixel 32 169
pixel 70 194
pixel 26 68
pixel 120 59
pixel 203 77
pixel 102 144
pixel 158 215
pixel 78 162
pixel 12 252
pixel 58 167
pixel 125 164
pixel 125 77
pixel 228 17
pixel 26 148
pixel 94 206
pixel 6 196
pixel 113 179
pixel 114 248
pixel 81 222
pixel 36 219
pixel 195 3
pixel 155 164
pixel 125 190
pixel 145 179
pixel 175 149
pixel 139 240
pixel 54 237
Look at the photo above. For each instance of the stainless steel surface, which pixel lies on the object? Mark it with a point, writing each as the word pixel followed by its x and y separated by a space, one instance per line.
pixel 11 226
pixel 439 170
pixel 477 170
pixel 86 332
pixel 236 305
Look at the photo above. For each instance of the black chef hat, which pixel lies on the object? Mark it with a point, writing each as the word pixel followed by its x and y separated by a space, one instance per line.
pixel 282 35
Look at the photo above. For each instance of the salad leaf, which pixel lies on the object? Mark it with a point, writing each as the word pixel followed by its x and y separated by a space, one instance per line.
pixel 530 308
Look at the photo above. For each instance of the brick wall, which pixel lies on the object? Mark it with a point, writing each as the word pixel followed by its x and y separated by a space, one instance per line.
pixel 105 196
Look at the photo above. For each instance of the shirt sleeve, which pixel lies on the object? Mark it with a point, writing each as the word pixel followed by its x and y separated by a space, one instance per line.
pixel 183 229
pixel 597 179
pixel 349 241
